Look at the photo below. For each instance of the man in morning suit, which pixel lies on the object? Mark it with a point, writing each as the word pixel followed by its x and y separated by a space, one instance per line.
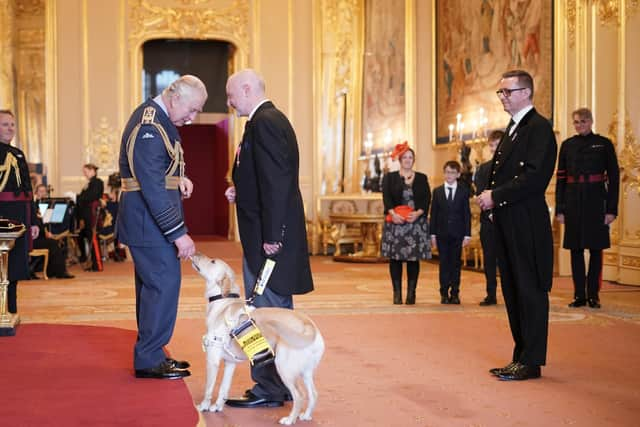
pixel 151 220
pixel 481 181
pixel 450 228
pixel 16 203
pixel 587 188
pixel 522 167
pixel 270 215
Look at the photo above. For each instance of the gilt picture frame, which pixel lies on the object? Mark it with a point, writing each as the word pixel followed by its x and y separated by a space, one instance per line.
pixel 475 42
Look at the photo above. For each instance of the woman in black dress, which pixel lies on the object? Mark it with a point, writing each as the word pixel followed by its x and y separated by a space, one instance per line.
pixel 405 236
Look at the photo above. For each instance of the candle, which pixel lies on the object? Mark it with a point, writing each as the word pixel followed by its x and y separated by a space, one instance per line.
pixel 450 132
pixel 461 130
pixel 475 128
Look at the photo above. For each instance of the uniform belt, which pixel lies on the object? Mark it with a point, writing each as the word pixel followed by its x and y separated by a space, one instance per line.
pixel 9 196
pixel 596 177
pixel 132 184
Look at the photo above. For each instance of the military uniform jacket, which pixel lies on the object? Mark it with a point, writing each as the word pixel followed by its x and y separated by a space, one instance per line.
pixel 17 204
pixel 153 215
pixel 521 169
pixel 268 200
pixel 587 188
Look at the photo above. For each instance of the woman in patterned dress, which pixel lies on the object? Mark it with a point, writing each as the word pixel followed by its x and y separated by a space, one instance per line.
pixel 405 236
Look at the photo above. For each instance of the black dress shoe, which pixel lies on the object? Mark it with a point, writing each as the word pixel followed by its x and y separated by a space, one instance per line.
pixel 248 393
pixel 66 275
pixel 444 300
pixel 578 302
pixel 250 400
pixel 521 372
pixel 178 364
pixel 594 303
pixel 163 371
pixel 488 301
pixel 503 370
pixel 454 299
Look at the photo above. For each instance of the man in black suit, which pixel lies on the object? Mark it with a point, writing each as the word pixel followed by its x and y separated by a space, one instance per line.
pixel 481 181
pixel 270 214
pixel 450 227
pixel 522 167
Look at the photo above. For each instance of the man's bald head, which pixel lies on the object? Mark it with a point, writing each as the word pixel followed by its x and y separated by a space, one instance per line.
pixel 245 90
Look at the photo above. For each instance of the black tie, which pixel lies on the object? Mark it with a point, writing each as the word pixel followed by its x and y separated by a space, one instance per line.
pixel 450 195
pixel 509 126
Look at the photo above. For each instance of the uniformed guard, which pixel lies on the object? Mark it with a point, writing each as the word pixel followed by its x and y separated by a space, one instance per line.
pixel 16 203
pixel 587 188
pixel 151 220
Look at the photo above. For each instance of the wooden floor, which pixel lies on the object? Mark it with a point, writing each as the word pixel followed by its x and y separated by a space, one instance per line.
pixel 352 304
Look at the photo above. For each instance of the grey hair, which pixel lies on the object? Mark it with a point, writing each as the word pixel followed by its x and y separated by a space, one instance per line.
pixel 185 85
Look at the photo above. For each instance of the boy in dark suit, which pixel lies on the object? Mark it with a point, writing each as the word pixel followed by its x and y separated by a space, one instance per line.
pixel 450 226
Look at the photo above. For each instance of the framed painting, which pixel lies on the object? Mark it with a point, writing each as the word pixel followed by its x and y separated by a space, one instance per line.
pixel 477 41
pixel 384 75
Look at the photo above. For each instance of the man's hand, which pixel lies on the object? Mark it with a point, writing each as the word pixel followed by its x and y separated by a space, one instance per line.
pixel 560 218
pixel 186 187
pixel 609 218
pixel 230 194
pixel 272 248
pixel 485 200
pixel 35 232
pixel 434 243
pixel 185 245
pixel 466 241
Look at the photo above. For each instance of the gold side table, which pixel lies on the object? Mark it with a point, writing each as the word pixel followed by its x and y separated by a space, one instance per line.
pixel 9 232
pixel 370 226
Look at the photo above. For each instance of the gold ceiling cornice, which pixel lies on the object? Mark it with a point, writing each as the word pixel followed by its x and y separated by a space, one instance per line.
pixel 190 21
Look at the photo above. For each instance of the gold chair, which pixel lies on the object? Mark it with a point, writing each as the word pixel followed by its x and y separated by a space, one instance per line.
pixel 45 254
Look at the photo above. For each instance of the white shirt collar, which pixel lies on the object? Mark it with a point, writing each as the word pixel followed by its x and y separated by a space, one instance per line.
pixel 256 107
pixel 454 185
pixel 520 114
pixel 158 100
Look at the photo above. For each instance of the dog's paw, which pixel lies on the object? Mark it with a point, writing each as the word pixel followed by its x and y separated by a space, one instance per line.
pixel 305 417
pixel 204 406
pixel 287 421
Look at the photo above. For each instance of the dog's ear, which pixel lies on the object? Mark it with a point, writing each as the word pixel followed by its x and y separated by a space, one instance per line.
pixel 225 285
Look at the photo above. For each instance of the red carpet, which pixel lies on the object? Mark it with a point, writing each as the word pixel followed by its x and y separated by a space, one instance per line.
pixel 63 375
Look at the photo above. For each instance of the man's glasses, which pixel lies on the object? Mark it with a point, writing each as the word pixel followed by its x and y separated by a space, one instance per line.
pixel 581 121
pixel 507 92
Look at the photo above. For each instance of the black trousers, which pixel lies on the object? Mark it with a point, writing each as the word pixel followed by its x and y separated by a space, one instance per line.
pixel 526 301
pixel 487 240
pixel 449 254
pixel 12 297
pixel 592 279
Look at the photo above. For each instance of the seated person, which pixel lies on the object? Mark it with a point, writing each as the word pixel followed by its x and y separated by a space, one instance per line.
pixel 41 192
pixel 57 266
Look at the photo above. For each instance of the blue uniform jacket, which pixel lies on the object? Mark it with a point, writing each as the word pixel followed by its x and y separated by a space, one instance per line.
pixel 153 215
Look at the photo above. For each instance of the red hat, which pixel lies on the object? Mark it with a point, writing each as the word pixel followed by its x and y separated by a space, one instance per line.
pixel 399 150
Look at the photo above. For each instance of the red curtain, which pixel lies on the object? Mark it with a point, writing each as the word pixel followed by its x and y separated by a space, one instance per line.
pixel 206 156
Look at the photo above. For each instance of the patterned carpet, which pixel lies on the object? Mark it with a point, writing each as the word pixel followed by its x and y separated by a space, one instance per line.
pixel 386 365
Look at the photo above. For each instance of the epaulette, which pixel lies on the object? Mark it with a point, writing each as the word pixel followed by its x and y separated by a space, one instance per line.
pixel 148 115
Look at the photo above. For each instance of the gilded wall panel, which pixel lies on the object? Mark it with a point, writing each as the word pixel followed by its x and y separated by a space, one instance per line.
pixel 7 45
pixel 339 77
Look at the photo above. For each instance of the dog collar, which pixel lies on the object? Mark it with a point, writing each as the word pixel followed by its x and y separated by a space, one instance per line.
pixel 217 297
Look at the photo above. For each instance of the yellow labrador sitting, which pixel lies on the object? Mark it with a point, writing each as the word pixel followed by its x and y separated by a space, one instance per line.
pixel 294 338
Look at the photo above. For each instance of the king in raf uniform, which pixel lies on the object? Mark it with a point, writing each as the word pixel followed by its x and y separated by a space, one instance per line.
pixel 587 188
pixel 16 203
pixel 151 221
